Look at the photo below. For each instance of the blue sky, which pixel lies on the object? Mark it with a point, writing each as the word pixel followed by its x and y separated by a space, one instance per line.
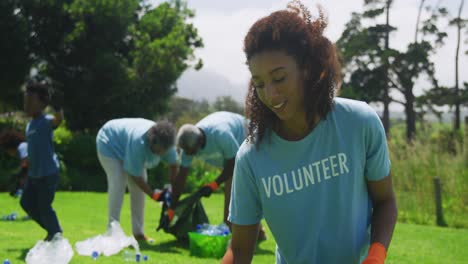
pixel 223 24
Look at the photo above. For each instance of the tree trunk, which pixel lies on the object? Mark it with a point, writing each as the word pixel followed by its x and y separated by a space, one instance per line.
pixel 457 93
pixel 386 99
pixel 421 5
pixel 410 114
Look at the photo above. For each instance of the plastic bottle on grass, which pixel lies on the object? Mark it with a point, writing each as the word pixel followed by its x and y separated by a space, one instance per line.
pixel 94 255
pixel 130 256
pixel 6 261
pixel 10 217
pixel 58 250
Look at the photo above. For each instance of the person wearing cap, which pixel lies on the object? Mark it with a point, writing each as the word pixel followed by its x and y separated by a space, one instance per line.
pixel 215 139
pixel 126 148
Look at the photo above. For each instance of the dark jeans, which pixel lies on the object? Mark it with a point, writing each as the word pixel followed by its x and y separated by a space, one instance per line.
pixel 37 199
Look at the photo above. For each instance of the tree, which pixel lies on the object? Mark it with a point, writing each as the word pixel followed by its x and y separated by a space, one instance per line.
pixel 184 110
pixel 460 23
pixel 365 56
pixel 227 103
pixel 421 5
pixel 451 96
pixel 112 58
pixel 15 62
pixel 372 69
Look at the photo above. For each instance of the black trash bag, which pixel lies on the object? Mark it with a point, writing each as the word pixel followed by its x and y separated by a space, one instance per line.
pixel 189 212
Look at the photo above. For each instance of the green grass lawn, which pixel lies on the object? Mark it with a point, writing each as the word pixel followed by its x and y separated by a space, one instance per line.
pixel 83 215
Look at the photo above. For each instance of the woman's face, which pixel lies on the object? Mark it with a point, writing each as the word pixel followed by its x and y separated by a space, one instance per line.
pixel 32 104
pixel 158 150
pixel 278 82
pixel 191 151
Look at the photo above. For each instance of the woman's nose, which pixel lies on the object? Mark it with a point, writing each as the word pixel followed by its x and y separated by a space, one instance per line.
pixel 272 91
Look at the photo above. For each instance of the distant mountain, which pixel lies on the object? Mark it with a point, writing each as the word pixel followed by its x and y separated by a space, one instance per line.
pixel 203 84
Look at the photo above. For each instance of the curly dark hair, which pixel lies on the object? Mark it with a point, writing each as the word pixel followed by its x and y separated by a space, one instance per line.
pixel 163 134
pixel 295 32
pixel 10 139
pixel 42 90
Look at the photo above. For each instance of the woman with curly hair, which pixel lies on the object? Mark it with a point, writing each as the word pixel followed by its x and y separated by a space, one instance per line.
pixel 315 166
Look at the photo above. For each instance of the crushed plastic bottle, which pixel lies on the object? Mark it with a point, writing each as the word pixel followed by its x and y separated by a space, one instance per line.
pixel 213 230
pixel 10 217
pixel 130 256
pixel 167 198
pixel 167 195
pixel 110 243
pixel 57 251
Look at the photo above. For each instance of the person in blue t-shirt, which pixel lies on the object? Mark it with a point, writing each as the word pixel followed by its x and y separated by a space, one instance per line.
pixel 215 139
pixel 314 166
pixel 126 148
pixel 13 142
pixel 43 174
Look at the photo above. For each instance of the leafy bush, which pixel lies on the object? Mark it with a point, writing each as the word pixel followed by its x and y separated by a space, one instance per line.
pixel 8 166
pixel 62 135
pixel 81 170
pixel 199 175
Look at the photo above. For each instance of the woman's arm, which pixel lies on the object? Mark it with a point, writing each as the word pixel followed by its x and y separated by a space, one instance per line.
pixel 179 184
pixel 144 186
pixel 384 217
pixel 385 210
pixel 243 244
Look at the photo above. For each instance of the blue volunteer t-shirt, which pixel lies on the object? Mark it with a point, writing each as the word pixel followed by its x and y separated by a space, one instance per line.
pixel 312 192
pixel 224 132
pixel 42 158
pixel 125 139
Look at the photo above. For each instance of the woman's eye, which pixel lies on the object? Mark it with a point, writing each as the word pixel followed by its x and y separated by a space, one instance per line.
pixel 278 80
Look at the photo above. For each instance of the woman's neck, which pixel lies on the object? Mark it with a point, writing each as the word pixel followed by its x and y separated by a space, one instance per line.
pixel 296 129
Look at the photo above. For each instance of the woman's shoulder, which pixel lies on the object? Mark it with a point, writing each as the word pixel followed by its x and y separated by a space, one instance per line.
pixel 247 150
pixel 354 110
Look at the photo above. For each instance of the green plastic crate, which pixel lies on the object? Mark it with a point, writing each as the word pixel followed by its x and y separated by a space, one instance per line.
pixel 205 246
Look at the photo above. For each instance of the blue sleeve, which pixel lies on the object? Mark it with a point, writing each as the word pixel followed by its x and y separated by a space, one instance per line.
pixel 185 160
pixel 229 145
pixel 377 157
pixel 50 118
pixel 134 161
pixel 22 150
pixel 245 206
pixel 170 156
